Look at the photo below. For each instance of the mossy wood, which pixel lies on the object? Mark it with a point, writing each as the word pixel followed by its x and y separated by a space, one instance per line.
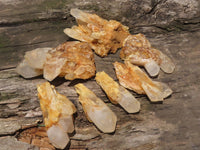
pixel 171 26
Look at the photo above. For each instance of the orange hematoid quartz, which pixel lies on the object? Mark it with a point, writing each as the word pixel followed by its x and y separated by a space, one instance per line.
pixel 70 60
pixel 137 50
pixel 58 113
pixel 133 78
pixel 117 94
pixel 96 110
pixel 103 36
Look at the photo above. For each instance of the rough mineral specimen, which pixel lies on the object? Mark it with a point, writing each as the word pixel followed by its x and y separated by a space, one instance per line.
pixel 102 35
pixel 138 50
pixel 71 60
pixel 132 77
pixel 117 93
pixel 96 110
pixel 57 113
pixel 33 62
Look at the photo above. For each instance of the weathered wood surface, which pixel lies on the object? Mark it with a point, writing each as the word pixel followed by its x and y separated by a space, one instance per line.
pixel 172 26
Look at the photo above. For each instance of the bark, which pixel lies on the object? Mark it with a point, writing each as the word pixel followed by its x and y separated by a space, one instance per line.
pixel 172 26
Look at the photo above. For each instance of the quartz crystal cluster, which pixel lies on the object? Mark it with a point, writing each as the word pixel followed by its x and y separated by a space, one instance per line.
pixel 117 94
pixel 70 60
pixel 58 113
pixel 103 36
pixel 133 78
pixel 96 110
pixel 137 50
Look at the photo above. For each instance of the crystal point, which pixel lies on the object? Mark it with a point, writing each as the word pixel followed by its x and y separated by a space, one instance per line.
pixel 37 57
pixel 166 65
pixel 128 101
pixel 57 137
pixel 117 93
pixel 32 64
pixel 57 113
pixel 66 123
pixel 96 110
pixel 26 71
pixel 152 68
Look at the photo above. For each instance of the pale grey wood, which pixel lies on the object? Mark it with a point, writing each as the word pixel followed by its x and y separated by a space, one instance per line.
pixel 171 125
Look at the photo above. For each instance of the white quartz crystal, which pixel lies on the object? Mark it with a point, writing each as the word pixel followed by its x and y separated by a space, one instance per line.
pixel 128 101
pixel 26 71
pixel 66 123
pixel 166 65
pixel 33 62
pixel 152 68
pixel 96 110
pixel 57 137
pixel 36 58
pixel 102 116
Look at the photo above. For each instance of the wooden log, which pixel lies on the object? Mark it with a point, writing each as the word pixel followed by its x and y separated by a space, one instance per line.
pixel 170 26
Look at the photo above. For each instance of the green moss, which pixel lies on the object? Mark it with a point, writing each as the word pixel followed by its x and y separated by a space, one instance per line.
pixel 93 7
pixel 4 41
pixel 5 50
pixel 41 125
pixel 54 4
pixel 178 27
pixel 6 96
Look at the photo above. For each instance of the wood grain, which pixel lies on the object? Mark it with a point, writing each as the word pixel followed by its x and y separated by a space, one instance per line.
pixel 171 125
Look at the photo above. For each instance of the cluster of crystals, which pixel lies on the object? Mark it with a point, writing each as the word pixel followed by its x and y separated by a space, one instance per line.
pixel 137 50
pixel 107 36
pixel 133 78
pixel 103 36
pixel 58 113
pixel 70 60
